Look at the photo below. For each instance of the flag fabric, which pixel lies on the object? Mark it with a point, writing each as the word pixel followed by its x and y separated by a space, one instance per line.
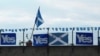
pixel 40 40
pixel 88 28
pixel 2 30
pixel 39 19
pixel 8 39
pixel 58 39
pixel 63 29
pixel 66 29
pixel 77 29
pixel 83 38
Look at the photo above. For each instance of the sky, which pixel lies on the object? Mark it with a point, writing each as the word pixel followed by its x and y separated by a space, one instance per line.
pixel 55 13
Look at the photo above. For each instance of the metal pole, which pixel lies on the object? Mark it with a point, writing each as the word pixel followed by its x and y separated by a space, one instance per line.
pixel 0 40
pixel 23 40
pixel 48 42
pixel 72 37
pixel 71 53
pixel 98 37
pixel 92 29
pixel 98 41
pixel 23 36
pixel 0 36
pixel 72 42
pixel 32 31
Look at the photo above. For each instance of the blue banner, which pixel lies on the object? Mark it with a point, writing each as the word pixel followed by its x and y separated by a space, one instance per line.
pixel 84 38
pixel 8 39
pixel 40 40
pixel 58 39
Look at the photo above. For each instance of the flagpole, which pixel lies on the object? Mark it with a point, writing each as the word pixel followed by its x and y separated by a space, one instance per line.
pixel 32 30
pixel 38 18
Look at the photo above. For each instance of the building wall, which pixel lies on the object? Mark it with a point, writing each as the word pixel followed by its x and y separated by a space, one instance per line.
pixel 50 51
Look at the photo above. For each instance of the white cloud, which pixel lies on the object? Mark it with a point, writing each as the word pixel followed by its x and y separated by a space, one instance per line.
pixel 15 17
pixel 73 17
pixel 77 12
pixel 69 5
pixel 68 22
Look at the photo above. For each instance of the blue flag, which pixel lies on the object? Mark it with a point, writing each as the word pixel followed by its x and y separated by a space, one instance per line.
pixel 8 39
pixel 38 20
pixel 40 40
pixel 58 39
pixel 83 38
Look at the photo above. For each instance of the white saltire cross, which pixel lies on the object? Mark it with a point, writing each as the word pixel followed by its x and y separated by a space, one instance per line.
pixel 58 38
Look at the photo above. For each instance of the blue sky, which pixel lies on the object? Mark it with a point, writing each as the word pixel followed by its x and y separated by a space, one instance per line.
pixel 56 13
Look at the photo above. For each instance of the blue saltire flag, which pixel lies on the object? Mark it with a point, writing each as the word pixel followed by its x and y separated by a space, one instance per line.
pixel 39 19
pixel 58 39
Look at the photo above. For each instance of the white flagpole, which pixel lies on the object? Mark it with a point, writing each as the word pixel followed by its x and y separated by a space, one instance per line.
pixel 32 31
pixel 34 25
